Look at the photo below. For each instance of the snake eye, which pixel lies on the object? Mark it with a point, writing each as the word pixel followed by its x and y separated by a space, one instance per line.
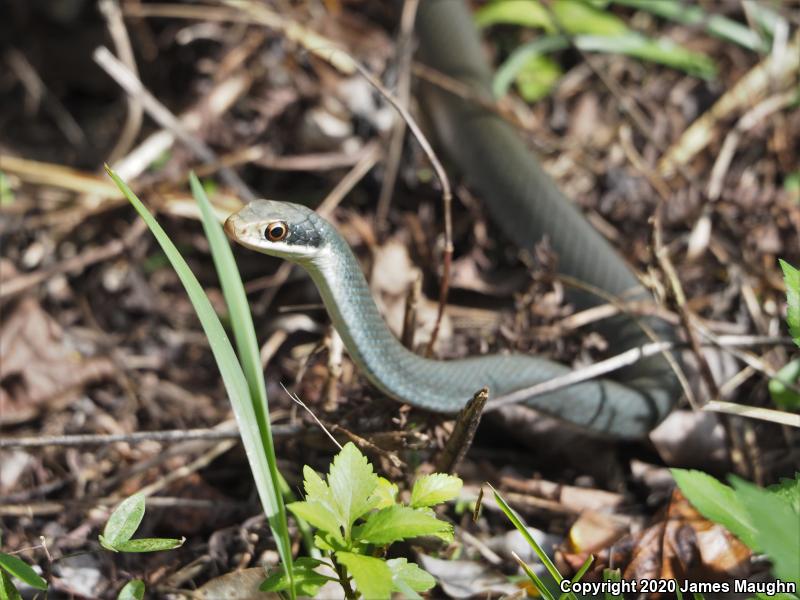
pixel 276 231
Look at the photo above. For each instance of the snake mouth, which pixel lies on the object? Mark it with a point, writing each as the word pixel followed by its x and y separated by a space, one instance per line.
pixel 230 226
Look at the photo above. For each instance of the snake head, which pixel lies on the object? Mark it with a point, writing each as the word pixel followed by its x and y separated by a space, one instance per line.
pixel 289 231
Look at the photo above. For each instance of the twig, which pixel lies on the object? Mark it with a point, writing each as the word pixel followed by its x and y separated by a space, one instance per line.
pixel 463 433
pixel 296 399
pixel 447 193
pixel 753 412
pixel 410 313
pixel 164 117
pixel 75 263
pixel 39 93
pixel 592 371
pixel 102 439
pixel 372 154
pixel 133 120
pixel 404 51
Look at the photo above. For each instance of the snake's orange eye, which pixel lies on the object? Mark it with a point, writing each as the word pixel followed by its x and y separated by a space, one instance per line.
pixel 276 231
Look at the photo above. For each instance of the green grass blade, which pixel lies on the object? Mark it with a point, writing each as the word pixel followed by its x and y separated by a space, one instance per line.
pixel 232 375
pixel 523 529
pixel 245 337
pixel 717 25
pixel 579 575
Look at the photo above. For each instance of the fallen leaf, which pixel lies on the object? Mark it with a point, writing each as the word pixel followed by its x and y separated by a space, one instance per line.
pixel 39 369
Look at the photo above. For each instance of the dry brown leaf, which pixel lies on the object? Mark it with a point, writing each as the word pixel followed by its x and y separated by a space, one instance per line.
pixel 38 368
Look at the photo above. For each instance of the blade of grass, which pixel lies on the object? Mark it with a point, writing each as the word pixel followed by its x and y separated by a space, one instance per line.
pixel 537 583
pixel 523 529
pixel 244 334
pixel 581 572
pixel 717 25
pixel 231 371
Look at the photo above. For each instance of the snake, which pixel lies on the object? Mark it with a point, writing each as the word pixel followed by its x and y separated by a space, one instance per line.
pixel 526 205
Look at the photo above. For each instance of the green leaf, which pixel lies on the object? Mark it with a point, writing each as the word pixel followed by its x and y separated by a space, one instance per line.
pixel 353 484
pixel 789 490
pixel 792 278
pixel 123 522
pixel 21 570
pixel 662 51
pixel 133 590
pixel 399 523
pixel 777 527
pixel 318 515
pixel 716 502
pixel 522 64
pixel 430 490
pixel 7 589
pixel 386 493
pixel 526 13
pixel 408 578
pixel 575 16
pixel 250 416
pixel 687 14
pixel 371 575
pixel 150 545
pixel 782 395
pixel 306 580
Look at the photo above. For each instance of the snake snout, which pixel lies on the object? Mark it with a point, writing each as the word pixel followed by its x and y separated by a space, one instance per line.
pixel 230 226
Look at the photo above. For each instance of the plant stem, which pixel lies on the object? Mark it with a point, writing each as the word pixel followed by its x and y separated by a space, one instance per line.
pixel 344 581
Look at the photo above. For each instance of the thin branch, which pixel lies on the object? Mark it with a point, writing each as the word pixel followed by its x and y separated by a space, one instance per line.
pixel 164 117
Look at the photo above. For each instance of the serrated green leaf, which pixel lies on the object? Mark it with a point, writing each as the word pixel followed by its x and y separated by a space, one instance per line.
pixel 398 523
pixel 789 490
pixel 124 521
pixel 318 515
pixel 306 580
pixel 352 482
pixel 792 278
pixel 7 589
pixel 386 493
pixel 371 575
pixel 408 578
pixel 22 571
pixel 782 395
pixel 777 527
pixel 716 502
pixel 315 486
pixel 150 545
pixel 525 13
pixel 133 590
pixel 430 490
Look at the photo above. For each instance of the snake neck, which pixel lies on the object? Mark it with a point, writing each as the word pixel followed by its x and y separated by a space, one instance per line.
pixel 348 300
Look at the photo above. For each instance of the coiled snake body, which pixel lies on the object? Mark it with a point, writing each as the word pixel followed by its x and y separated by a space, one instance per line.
pixel 525 203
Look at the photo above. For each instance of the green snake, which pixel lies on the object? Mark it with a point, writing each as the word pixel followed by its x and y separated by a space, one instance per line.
pixel 526 204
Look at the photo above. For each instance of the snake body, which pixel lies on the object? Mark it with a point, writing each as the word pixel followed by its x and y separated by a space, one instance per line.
pixel 526 204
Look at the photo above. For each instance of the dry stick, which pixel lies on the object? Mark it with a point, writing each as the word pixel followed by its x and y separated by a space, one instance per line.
pixel 169 435
pixel 410 313
pixel 463 433
pixel 162 115
pixel 404 46
pixel 39 92
pixel 447 194
pixel 296 399
pixel 754 412
pixel 133 120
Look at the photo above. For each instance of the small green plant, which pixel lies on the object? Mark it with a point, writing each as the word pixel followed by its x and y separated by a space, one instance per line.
pixel 123 523
pixel 783 387
pixel 12 566
pixel 117 537
pixel 766 520
pixel 357 517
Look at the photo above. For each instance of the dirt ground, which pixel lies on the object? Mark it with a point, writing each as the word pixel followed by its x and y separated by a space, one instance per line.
pixel 98 336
